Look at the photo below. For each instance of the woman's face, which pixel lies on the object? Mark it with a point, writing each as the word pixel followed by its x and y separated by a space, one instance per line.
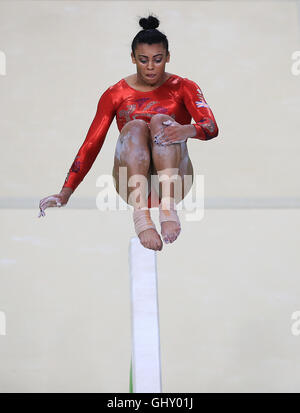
pixel 150 59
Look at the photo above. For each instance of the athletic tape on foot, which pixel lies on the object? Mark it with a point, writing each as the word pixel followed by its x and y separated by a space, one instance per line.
pixel 169 214
pixel 142 220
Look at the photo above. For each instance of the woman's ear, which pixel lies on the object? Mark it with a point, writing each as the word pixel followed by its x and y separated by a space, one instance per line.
pixel 133 58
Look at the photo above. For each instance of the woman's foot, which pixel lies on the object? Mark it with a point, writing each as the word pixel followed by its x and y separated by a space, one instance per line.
pixel 170 231
pixel 146 230
pixel 150 239
pixel 169 222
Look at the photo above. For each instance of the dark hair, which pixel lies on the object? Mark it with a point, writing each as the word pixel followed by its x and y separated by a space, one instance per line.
pixel 149 34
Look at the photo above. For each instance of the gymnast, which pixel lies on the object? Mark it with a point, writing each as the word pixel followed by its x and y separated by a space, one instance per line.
pixel 153 112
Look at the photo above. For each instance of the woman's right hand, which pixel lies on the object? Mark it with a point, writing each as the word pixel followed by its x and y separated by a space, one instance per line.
pixel 56 200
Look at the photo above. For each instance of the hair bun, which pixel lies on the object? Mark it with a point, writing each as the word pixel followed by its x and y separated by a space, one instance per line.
pixel 150 23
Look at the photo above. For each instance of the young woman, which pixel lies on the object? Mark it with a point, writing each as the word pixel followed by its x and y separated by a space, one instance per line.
pixel 153 111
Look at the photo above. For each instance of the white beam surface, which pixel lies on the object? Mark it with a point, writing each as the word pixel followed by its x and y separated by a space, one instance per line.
pixel 146 364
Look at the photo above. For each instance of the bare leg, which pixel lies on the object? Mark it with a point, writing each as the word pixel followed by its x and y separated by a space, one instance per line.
pixel 170 161
pixel 133 151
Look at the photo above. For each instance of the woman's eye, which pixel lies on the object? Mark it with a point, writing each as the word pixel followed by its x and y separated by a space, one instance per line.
pixel 145 61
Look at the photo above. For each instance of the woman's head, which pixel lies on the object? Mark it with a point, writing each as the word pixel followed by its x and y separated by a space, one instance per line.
pixel 149 35
pixel 150 49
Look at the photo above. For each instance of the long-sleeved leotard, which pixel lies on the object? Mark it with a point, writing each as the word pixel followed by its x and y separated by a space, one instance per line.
pixel 178 97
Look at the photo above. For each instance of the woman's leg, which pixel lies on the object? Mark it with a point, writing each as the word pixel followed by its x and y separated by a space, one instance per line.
pixel 172 163
pixel 133 153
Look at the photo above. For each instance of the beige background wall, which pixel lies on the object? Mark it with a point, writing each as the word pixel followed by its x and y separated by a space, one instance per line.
pixel 230 283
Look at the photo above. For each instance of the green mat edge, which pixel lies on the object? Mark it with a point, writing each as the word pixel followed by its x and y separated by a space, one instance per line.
pixel 130 379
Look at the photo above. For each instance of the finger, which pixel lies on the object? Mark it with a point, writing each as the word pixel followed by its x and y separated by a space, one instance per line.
pixel 168 142
pixel 42 205
pixel 163 142
pixel 159 139
pixel 41 202
pixel 159 134
pixel 41 214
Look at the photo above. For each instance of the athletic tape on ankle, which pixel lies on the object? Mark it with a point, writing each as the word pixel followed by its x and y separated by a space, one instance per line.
pixel 168 214
pixel 142 220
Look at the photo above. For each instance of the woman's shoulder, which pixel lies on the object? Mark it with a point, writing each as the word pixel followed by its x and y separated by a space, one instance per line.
pixel 114 88
pixel 182 81
pixel 188 81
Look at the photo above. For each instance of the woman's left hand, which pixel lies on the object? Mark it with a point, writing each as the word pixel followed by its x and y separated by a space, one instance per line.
pixel 172 132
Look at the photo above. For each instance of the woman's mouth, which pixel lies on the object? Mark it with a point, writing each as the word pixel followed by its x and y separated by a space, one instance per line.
pixel 151 76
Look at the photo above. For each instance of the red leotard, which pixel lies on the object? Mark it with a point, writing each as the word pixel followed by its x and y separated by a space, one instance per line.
pixel 178 97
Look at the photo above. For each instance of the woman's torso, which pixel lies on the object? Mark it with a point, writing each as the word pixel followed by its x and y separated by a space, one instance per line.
pixel 143 103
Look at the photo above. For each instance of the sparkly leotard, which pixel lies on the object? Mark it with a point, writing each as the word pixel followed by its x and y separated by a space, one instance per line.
pixel 180 98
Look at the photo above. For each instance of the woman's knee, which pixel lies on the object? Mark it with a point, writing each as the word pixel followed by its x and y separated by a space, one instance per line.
pixel 132 146
pixel 136 127
pixel 159 118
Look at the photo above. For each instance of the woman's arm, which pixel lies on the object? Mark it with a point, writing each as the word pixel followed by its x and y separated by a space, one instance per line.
pixel 86 154
pixel 205 127
pixel 92 144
